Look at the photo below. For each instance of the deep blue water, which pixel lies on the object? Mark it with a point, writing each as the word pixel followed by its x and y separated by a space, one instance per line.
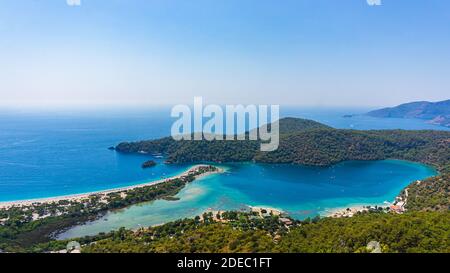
pixel 52 154
pixel 45 154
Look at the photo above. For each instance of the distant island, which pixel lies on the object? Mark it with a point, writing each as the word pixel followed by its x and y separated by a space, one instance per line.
pixel 348 116
pixel 434 112
pixel 148 164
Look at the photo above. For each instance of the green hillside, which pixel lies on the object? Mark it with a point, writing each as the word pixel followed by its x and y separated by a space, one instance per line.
pixel 309 143
pixel 411 232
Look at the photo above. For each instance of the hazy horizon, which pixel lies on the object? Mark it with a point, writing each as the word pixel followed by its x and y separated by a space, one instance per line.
pixel 84 105
pixel 302 53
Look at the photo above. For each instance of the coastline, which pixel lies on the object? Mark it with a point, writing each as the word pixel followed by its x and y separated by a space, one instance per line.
pixel 341 211
pixel 82 196
pixel 398 205
pixel 348 211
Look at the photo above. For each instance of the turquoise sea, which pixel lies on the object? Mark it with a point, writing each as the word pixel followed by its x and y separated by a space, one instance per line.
pixel 54 153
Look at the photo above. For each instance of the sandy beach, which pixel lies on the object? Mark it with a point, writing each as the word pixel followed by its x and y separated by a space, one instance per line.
pixel 352 210
pixel 345 212
pixel 81 196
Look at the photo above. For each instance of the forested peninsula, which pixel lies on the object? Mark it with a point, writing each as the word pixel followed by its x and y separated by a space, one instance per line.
pixel 308 142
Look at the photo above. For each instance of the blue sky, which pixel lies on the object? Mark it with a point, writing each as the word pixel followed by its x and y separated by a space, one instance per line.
pixel 302 52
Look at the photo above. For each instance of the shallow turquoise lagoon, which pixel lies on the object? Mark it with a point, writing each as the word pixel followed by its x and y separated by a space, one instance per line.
pixel 301 191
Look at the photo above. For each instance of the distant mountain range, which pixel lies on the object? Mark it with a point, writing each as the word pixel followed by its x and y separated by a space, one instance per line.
pixel 434 112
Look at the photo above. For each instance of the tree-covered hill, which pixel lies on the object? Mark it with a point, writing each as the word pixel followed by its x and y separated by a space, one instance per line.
pixel 411 232
pixel 432 194
pixel 309 143
pixel 326 147
pixel 292 125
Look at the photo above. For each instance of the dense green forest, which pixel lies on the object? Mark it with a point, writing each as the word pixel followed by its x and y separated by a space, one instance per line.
pixel 309 143
pixel 410 232
pixel 432 194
